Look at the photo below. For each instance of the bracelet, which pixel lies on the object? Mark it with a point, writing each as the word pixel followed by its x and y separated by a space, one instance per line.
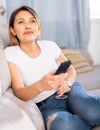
pixel 69 84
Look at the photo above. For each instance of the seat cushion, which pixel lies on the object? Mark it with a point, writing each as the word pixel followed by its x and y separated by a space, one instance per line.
pixel 90 80
pixel 97 128
pixel 0 88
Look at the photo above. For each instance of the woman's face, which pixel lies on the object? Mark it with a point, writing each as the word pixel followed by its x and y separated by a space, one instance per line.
pixel 25 27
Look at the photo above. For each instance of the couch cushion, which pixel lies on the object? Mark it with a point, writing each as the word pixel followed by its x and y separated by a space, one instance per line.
pixel 91 79
pixel 4 70
pixel 29 107
pixel 80 63
pixel 97 128
pixel 12 117
pixel 0 89
pixel 95 92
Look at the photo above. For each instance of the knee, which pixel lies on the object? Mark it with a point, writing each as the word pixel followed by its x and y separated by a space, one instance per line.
pixel 77 94
pixel 66 121
pixel 77 88
pixel 59 121
pixel 92 117
pixel 84 105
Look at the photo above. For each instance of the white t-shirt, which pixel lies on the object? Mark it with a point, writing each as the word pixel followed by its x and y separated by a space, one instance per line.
pixel 33 69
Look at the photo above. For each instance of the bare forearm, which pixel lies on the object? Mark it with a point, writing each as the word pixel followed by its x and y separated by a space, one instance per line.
pixel 71 75
pixel 28 93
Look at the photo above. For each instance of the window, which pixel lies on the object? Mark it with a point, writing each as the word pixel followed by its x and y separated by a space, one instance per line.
pixel 94 9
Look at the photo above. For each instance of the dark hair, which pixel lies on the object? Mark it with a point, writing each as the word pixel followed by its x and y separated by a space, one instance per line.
pixel 14 40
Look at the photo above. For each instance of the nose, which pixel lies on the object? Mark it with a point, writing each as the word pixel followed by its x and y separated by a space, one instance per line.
pixel 27 25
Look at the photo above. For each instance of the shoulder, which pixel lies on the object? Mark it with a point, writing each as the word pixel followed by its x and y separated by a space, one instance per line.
pixel 48 44
pixel 50 47
pixel 10 49
pixel 10 52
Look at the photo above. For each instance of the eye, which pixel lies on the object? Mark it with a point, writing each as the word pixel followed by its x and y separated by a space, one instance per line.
pixel 20 22
pixel 33 21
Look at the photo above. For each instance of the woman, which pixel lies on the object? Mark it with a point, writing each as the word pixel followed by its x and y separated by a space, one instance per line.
pixel 32 66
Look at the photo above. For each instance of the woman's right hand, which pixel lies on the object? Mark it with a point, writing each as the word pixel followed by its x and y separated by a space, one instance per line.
pixel 51 81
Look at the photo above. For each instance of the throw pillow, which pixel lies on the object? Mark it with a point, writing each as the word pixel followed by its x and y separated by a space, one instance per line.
pixel 4 70
pixel 80 63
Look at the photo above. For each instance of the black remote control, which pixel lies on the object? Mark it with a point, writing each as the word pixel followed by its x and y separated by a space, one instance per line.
pixel 63 67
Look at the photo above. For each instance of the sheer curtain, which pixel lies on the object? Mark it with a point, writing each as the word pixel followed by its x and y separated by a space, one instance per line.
pixel 13 4
pixel 66 22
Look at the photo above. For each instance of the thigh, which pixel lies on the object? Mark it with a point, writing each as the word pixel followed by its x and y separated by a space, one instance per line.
pixel 66 121
pixel 84 104
pixel 53 105
pixel 56 116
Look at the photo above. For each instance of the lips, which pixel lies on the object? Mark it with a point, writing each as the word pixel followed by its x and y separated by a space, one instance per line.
pixel 28 32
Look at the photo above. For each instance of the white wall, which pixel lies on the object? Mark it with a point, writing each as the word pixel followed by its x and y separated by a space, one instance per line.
pixel 94 44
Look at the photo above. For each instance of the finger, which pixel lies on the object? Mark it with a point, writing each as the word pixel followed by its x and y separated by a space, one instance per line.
pixel 63 89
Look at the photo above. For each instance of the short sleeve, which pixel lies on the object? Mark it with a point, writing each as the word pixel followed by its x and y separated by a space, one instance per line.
pixel 9 54
pixel 55 49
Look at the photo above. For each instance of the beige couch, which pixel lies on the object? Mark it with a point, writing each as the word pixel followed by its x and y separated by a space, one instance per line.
pixel 16 114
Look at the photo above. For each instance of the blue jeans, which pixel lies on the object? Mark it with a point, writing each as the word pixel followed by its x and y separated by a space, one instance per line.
pixel 80 111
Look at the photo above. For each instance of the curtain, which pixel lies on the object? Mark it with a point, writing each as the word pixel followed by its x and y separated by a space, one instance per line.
pixel 66 22
pixel 13 4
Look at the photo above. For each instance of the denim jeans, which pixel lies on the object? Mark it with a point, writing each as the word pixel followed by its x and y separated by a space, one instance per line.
pixel 80 111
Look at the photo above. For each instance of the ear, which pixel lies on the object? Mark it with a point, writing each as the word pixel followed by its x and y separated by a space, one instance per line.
pixel 12 31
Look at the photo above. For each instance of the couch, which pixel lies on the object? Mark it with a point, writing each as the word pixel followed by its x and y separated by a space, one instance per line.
pixel 16 114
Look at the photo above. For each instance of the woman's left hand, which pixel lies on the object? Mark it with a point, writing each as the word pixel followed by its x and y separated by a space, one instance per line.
pixel 63 88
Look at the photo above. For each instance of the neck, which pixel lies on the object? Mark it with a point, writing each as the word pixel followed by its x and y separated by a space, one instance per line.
pixel 32 50
pixel 28 46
